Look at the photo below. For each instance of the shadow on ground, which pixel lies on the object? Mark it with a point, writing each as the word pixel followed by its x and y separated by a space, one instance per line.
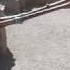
pixel 6 57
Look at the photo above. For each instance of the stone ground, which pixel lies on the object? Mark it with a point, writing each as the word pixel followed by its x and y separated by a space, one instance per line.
pixel 41 43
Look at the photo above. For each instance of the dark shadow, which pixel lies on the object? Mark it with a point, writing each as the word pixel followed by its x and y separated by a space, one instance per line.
pixel 6 57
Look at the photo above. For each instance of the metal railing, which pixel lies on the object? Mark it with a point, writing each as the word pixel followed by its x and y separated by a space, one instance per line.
pixel 46 8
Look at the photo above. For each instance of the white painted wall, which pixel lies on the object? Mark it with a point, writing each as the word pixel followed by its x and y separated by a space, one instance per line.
pixel 41 43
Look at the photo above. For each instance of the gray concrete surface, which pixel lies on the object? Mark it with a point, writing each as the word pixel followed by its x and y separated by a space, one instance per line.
pixel 41 43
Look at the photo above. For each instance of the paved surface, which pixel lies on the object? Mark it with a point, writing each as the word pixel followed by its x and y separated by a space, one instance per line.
pixel 41 43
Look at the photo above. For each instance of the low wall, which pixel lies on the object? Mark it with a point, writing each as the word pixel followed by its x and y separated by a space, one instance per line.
pixel 41 43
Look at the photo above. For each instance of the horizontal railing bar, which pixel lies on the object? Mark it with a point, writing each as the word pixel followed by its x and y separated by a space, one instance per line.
pixel 33 13
pixel 22 14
